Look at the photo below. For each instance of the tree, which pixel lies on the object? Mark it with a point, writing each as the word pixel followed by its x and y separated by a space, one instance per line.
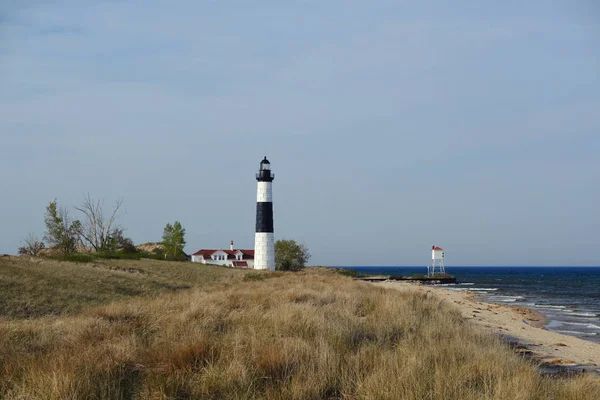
pixel 173 240
pixel 118 242
pixel 32 246
pixel 96 230
pixel 61 229
pixel 290 256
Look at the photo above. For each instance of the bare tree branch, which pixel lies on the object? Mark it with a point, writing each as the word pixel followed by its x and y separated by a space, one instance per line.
pixel 32 246
pixel 96 230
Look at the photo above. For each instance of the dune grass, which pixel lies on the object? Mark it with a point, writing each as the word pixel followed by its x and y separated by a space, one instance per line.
pixel 34 287
pixel 308 335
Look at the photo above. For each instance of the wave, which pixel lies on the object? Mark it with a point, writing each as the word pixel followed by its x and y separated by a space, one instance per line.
pixel 576 333
pixel 586 324
pixel 549 306
pixel 506 299
pixel 483 289
pixel 583 314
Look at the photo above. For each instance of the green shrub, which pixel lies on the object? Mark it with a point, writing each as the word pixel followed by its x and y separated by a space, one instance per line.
pixel 350 272
pixel 257 276
pixel 75 257
pixel 118 255
pixel 254 277
pixel 158 254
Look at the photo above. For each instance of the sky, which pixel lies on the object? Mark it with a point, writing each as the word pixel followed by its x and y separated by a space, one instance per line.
pixel 390 125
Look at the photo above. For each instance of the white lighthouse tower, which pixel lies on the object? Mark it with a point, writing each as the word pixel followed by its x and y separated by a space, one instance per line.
pixel 264 241
pixel 437 261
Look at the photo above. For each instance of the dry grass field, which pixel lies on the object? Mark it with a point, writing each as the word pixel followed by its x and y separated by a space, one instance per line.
pixel 34 287
pixel 307 335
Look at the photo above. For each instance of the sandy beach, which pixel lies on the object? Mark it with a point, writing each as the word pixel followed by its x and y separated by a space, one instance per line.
pixel 519 325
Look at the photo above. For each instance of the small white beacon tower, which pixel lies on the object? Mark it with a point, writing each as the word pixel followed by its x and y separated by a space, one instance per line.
pixel 437 261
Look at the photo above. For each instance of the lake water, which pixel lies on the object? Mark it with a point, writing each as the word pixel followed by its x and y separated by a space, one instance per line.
pixel 568 296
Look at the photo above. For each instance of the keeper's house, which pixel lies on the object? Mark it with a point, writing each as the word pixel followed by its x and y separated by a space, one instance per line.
pixel 229 258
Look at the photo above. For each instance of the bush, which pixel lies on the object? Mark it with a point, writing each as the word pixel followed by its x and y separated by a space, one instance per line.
pixel 180 257
pixel 32 247
pixel 254 277
pixel 118 255
pixel 290 256
pixel 159 254
pixel 75 257
pixel 350 272
pixel 257 276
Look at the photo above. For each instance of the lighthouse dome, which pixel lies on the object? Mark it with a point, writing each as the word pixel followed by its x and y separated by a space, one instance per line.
pixel 265 164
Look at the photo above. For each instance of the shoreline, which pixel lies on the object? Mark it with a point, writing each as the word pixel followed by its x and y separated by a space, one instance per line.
pixel 522 328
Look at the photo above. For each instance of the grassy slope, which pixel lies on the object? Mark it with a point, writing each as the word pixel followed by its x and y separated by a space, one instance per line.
pixel 308 335
pixel 32 287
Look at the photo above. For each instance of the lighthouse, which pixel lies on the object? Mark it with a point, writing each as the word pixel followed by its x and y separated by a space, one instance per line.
pixel 264 241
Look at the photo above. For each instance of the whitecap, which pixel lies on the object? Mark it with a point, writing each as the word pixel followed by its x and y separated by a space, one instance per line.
pixel 583 314
pixel 576 333
pixel 507 299
pixel 586 324
pixel 549 306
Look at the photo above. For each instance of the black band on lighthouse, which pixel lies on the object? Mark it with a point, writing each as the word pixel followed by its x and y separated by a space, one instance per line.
pixel 264 217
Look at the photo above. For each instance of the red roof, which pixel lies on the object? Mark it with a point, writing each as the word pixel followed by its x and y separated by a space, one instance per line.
pixel 204 252
pixel 436 248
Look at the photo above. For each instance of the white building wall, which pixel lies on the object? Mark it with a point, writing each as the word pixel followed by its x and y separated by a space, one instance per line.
pixel 264 251
pixel 226 263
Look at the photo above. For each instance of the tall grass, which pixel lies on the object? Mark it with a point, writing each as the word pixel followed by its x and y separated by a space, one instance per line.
pixel 309 335
pixel 34 287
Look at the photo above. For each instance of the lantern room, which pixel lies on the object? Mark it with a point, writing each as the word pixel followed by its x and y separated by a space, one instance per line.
pixel 264 172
